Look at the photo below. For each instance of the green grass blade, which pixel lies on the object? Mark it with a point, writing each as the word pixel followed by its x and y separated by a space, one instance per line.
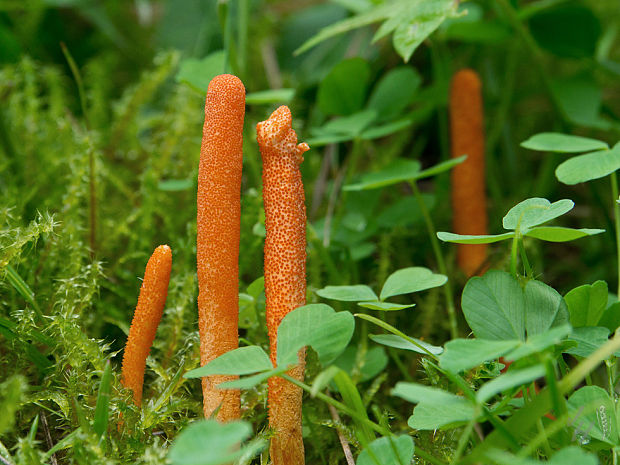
pixel 102 411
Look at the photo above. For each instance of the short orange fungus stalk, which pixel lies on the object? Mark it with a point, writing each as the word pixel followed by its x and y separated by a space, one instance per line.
pixel 146 318
pixel 285 270
pixel 219 219
pixel 469 204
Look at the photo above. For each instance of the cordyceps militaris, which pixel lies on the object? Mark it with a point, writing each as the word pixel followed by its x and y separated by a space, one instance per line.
pixel 285 270
pixel 218 227
pixel 469 204
pixel 146 318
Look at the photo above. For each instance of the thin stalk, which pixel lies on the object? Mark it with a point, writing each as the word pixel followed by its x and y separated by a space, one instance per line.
pixel 513 255
pixel 353 414
pixel 243 13
pixel 532 47
pixel 464 439
pixel 610 366
pixel 614 193
pixel 393 330
pixel 91 151
pixel 526 262
pixel 544 438
pixel 432 233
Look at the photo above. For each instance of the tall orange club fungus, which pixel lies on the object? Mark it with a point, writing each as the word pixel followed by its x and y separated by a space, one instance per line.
pixel 146 319
pixel 218 226
pixel 285 270
pixel 469 205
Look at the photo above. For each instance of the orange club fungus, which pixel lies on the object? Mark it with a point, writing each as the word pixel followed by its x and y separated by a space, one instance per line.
pixel 469 206
pixel 146 318
pixel 285 271
pixel 218 227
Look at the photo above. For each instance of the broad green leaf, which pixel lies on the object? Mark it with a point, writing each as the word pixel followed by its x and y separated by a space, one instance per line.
pixel 473 239
pixel 394 92
pixel 374 15
pixel 392 450
pixel 570 30
pixel 398 171
pixel 241 361
pixel 381 130
pixel 436 408
pixel 418 393
pixel 343 91
pixel 580 99
pixel 249 382
pixel 594 414
pixel 393 340
pixel 560 234
pixel 587 303
pixel 563 143
pixel 494 306
pixel 375 361
pixel 535 211
pixel 198 73
pixel 208 442
pixel 263 97
pixel 404 212
pixel 356 293
pixel 539 342
pixel 384 306
pixel 411 21
pixel 483 32
pixel 509 380
pixel 572 455
pixel 102 410
pixel 611 317
pixel 350 126
pixel 431 416
pixel 256 287
pixel 410 280
pixel 316 325
pixel 588 339
pixel 441 167
pixel 544 308
pixel 584 168
pixel 419 22
pixel 463 354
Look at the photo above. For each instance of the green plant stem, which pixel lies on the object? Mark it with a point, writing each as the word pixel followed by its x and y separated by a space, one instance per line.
pixel 545 438
pixel 353 414
pixel 614 193
pixel 464 439
pixel 532 46
pixel 91 151
pixel 514 255
pixel 432 233
pixel 526 262
pixel 393 330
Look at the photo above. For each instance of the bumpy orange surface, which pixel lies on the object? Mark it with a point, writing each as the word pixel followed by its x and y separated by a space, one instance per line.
pixel 219 213
pixel 285 270
pixel 468 179
pixel 146 318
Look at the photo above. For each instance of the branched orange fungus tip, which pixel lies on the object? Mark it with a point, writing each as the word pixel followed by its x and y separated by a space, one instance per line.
pixel 469 204
pixel 218 225
pixel 285 270
pixel 146 318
